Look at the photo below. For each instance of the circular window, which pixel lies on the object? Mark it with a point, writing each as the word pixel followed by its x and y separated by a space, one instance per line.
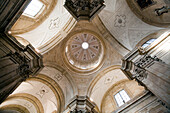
pixel 85 45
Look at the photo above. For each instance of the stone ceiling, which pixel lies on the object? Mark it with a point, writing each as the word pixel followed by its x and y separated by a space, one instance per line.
pixel 116 31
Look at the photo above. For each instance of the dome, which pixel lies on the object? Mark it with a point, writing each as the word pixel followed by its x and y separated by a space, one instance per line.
pixel 84 51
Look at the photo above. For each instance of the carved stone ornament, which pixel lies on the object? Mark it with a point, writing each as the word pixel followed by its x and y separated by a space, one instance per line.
pixel 146 61
pixel 162 10
pixel 140 65
pixel 24 71
pixel 75 111
pixel 141 73
pixel 84 9
pixel 81 104
pixel 23 68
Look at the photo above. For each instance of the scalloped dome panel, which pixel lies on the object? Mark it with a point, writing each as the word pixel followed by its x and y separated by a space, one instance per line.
pixel 84 51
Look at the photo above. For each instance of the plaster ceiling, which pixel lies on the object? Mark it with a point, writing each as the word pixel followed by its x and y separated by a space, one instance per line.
pixel 52 30
pixel 40 91
pixel 123 24
pixel 125 29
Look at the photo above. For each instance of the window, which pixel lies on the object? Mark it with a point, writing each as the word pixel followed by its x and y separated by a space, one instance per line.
pixel 71 61
pixel 121 97
pixel 147 43
pixel 33 8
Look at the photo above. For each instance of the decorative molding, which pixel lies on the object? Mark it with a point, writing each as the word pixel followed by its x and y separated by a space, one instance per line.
pixel 140 73
pixel 120 21
pixel 80 65
pixel 24 69
pixel 146 61
pixel 52 84
pixel 108 79
pixel 109 37
pixel 18 108
pixel 32 99
pixel 57 38
pixel 54 23
pixel 42 91
pixel 141 65
pixel 28 105
pixel 23 60
pixel 162 10
pixel 99 76
pixel 58 76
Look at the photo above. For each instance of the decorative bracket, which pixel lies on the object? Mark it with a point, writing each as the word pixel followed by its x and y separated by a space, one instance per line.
pixel 84 9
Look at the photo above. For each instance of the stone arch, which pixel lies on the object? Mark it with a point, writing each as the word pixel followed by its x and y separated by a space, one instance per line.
pixel 54 87
pixel 103 81
pixel 13 107
pixel 131 87
pixel 32 99
pixel 62 78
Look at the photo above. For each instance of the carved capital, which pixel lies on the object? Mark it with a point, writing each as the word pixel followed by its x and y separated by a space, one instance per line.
pixel 81 104
pixel 84 9
pixel 147 61
pixel 139 67
pixel 23 69
pixel 141 64
pixel 140 73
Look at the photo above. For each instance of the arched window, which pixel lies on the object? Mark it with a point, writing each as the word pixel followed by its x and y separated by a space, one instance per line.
pixel 121 97
pixel 147 43
pixel 33 8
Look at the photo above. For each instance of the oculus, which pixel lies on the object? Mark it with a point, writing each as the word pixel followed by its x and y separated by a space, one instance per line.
pixel 85 45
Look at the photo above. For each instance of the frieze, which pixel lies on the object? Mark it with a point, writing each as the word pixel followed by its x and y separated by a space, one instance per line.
pixel 143 62
pixel 147 61
pixel 140 65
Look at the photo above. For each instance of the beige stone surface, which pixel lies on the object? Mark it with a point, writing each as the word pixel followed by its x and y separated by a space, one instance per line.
pixel 116 27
